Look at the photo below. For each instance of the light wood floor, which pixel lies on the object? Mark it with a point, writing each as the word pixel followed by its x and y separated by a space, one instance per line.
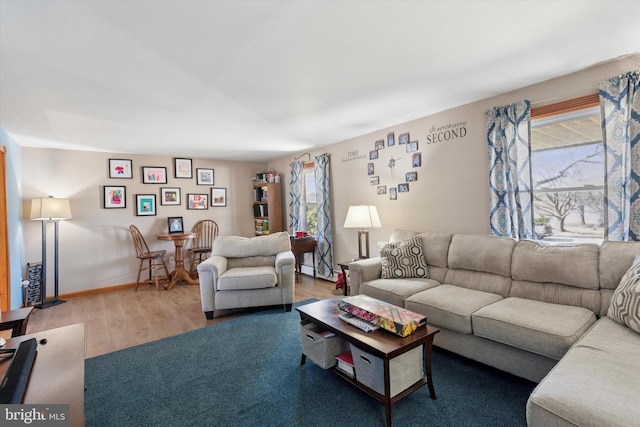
pixel 125 318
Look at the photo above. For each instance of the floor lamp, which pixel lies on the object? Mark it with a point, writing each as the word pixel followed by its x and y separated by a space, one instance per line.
pixel 49 209
pixel 362 217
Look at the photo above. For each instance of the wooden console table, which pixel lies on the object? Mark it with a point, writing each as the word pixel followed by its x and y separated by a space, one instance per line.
pixel 179 273
pixel 57 376
pixel 301 246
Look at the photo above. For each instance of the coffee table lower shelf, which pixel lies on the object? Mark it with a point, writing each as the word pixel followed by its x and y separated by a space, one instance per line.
pixel 380 344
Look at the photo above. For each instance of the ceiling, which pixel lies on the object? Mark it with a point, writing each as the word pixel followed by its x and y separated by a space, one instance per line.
pixel 259 80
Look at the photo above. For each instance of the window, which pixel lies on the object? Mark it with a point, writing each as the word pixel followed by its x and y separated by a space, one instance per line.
pixel 309 208
pixel 567 164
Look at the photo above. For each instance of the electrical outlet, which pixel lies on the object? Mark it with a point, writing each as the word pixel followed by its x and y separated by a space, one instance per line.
pixel 172 260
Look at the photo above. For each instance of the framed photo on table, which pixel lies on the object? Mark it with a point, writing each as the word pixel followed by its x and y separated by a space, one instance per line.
pixel 146 204
pixel 154 175
pixel 182 168
pixel 120 169
pixel 204 176
pixel 174 223
pixel 218 197
pixel 115 197
pixel 197 201
pixel 170 196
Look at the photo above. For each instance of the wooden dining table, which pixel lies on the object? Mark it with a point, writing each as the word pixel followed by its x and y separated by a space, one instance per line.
pixel 179 273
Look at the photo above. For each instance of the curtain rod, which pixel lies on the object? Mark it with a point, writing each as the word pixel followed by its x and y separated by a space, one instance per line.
pixel 302 155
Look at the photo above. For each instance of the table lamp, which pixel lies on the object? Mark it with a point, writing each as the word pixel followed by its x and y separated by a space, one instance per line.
pixel 49 209
pixel 362 217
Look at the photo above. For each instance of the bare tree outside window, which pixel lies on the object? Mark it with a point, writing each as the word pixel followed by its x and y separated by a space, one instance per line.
pixel 568 178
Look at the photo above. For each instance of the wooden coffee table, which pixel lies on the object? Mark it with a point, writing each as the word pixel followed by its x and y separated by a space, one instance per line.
pixel 380 343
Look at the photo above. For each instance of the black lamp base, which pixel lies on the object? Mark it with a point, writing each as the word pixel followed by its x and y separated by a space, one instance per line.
pixel 49 303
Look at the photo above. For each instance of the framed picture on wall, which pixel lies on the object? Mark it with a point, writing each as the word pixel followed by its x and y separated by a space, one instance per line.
pixel 154 175
pixel 145 204
pixel 120 169
pixel 412 146
pixel 416 160
pixel 379 144
pixel 174 223
pixel 393 193
pixel 218 197
pixel 182 168
pixel 403 138
pixel 403 188
pixel 411 176
pixel 391 139
pixel 170 196
pixel 204 176
pixel 197 201
pixel 115 197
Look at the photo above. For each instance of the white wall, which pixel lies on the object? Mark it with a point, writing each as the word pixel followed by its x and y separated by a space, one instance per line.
pixel 452 192
pixel 95 246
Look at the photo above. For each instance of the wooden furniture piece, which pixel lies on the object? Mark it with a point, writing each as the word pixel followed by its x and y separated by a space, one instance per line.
pixel 154 259
pixel 206 232
pixel 301 246
pixel 380 343
pixel 344 266
pixel 16 320
pixel 179 273
pixel 267 208
pixel 57 376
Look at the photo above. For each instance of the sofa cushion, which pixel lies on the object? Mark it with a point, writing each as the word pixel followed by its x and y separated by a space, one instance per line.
pixel 625 302
pixel 450 306
pixel 597 383
pixel 395 291
pixel 536 326
pixel 238 247
pixel 436 248
pixel 489 254
pixel 404 259
pixel 574 265
pixel 247 278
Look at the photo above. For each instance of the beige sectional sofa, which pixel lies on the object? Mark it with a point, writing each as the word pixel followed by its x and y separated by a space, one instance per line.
pixel 535 310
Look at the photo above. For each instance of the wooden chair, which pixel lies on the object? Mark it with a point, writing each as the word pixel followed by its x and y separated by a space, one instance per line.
pixel 155 259
pixel 207 231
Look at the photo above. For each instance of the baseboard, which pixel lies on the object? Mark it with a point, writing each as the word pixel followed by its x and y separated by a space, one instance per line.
pixel 97 291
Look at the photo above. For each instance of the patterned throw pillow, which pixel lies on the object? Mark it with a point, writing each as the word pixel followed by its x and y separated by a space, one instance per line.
pixel 404 259
pixel 625 303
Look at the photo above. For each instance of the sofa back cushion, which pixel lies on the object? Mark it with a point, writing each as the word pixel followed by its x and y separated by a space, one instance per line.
pixel 436 250
pixel 615 259
pixel 573 265
pixel 480 262
pixel 558 274
pixel 260 246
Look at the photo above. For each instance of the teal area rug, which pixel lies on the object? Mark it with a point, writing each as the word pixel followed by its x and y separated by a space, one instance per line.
pixel 247 372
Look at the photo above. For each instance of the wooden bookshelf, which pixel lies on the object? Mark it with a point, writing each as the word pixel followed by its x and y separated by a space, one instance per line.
pixel 267 208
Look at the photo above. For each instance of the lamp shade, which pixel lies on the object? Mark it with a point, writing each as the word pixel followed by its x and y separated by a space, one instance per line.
pixel 49 208
pixel 362 216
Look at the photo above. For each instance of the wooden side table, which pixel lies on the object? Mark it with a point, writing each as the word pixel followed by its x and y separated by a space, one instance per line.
pixel 301 246
pixel 344 266
pixel 16 320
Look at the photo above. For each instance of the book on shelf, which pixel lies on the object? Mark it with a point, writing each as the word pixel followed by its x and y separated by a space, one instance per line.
pixel 345 363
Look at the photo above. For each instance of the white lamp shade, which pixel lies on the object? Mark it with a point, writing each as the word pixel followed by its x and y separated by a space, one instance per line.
pixel 48 208
pixel 362 216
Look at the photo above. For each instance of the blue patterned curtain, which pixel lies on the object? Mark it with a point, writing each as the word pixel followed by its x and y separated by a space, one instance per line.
pixel 323 200
pixel 295 193
pixel 508 135
pixel 620 108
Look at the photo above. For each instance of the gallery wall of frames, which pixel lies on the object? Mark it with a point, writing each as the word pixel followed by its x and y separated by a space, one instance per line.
pixel 146 204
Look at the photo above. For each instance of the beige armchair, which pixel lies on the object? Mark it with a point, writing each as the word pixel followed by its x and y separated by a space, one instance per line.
pixel 248 272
